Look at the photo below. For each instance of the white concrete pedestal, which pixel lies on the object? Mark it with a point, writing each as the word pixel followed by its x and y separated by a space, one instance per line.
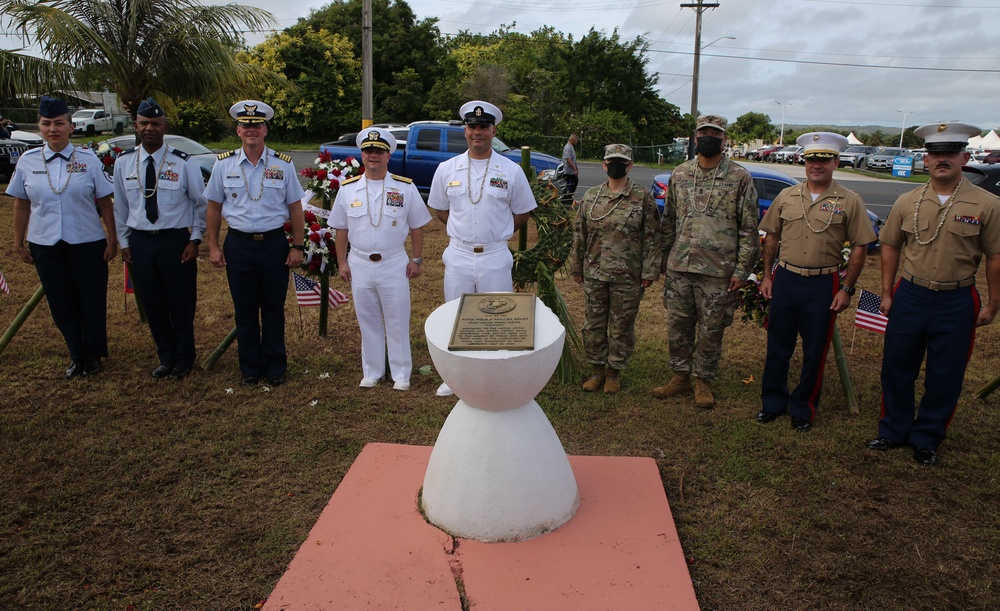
pixel 498 471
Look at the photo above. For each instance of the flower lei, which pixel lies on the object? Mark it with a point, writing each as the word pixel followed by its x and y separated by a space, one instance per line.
pixel 319 255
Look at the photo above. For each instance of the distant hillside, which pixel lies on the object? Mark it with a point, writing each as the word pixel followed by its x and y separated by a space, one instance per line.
pixel 857 129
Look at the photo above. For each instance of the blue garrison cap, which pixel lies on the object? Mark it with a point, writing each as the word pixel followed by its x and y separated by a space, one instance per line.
pixel 50 107
pixel 149 108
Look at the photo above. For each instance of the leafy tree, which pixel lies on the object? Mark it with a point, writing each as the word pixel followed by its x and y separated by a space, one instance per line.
pixel 325 100
pixel 23 74
pixel 196 121
pixel 752 126
pixel 161 48
pixel 878 138
pixel 399 42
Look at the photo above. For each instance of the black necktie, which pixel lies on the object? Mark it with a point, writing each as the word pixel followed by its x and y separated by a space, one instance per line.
pixel 151 212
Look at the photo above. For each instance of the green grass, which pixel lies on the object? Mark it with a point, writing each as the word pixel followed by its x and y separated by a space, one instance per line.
pixel 123 490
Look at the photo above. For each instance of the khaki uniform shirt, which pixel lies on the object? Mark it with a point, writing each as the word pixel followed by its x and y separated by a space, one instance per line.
pixel 971 228
pixel 710 221
pixel 813 233
pixel 616 235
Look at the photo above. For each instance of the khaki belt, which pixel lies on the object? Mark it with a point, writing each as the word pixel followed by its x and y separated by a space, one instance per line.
pixel 809 271
pixel 940 286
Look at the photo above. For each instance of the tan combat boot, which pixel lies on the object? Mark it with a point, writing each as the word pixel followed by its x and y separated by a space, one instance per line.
pixel 596 380
pixel 614 382
pixel 703 394
pixel 678 384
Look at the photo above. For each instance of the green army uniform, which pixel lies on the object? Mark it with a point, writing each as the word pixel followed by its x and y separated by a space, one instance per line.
pixel 616 245
pixel 709 235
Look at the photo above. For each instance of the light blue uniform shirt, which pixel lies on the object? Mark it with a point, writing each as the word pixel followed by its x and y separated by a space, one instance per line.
pixel 180 193
pixel 235 182
pixel 71 215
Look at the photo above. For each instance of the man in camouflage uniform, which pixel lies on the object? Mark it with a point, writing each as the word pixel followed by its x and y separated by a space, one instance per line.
pixel 616 254
pixel 710 244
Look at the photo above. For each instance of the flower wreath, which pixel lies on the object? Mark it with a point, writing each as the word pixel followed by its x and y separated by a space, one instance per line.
pixel 554 223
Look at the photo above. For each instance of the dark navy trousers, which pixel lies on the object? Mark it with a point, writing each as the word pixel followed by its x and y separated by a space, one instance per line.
pixel 75 279
pixel 800 307
pixel 942 326
pixel 258 282
pixel 168 290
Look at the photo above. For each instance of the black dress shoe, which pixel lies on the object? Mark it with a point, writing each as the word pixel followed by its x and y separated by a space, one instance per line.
pixel 250 380
pixel 924 456
pixel 882 444
pixel 276 380
pixel 765 417
pixel 179 372
pixel 75 368
pixel 161 372
pixel 91 367
pixel 801 425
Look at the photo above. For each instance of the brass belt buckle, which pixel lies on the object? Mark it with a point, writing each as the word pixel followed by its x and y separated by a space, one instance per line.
pixel 258 237
pixel 477 249
pixel 375 257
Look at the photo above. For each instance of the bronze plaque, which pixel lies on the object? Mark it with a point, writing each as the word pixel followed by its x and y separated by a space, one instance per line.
pixel 494 321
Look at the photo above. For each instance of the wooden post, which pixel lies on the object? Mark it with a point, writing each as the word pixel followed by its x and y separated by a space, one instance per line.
pixel 845 377
pixel 22 316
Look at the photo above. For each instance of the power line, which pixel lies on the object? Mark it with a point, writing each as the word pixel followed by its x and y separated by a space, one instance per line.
pixel 818 63
pixel 904 5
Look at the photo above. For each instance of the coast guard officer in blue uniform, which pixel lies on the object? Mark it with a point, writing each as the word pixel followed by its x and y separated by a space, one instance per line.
pixel 375 212
pixel 809 223
pixel 54 189
pixel 256 190
pixel 940 232
pixel 160 212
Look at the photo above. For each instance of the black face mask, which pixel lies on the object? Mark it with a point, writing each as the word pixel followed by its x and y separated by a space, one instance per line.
pixel 708 146
pixel 617 168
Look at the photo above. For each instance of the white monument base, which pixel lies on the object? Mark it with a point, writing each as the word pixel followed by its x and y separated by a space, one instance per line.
pixel 498 471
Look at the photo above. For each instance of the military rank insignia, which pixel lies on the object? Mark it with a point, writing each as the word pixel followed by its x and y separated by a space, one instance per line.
pixel 274 173
pixel 498 182
pixel 394 198
pixel 972 220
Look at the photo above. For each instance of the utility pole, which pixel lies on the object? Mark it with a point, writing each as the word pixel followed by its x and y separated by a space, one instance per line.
pixel 699 8
pixel 367 112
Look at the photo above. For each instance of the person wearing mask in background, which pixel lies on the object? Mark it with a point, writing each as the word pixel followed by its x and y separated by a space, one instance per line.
pixel 54 189
pixel 710 244
pixel 482 198
pixel 616 255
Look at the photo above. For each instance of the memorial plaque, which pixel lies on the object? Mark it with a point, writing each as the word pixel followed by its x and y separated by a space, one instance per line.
pixel 494 321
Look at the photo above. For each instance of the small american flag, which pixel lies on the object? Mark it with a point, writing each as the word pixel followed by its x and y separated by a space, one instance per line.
pixel 3 284
pixel 129 289
pixel 307 293
pixel 868 316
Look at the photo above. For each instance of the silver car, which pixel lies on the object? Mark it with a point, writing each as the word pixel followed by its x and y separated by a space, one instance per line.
pixel 883 159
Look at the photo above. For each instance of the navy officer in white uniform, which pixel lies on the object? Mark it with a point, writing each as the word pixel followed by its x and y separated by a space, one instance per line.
pixel 256 190
pixel 160 211
pixel 57 228
pixel 374 212
pixel 483 198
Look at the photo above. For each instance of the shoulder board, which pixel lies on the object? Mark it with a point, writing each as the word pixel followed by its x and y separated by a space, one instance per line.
pixel 32 151
pixel 402 178
pixel 351 179
pixel 283 157
pixel 226 154
pixel 128 151
pixel 180 154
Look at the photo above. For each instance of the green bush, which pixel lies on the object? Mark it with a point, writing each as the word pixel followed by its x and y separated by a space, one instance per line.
pixel 196 121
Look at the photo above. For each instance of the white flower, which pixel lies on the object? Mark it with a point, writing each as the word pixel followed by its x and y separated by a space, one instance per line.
pixel 229 391
pixel 314 402
pixel 324 376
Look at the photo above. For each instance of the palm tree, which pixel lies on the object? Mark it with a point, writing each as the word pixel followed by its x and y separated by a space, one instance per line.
pixel 23 73
pixel 161 48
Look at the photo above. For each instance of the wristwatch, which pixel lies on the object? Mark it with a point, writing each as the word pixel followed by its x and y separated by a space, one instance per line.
pixel 196 242
pixel 418 260
pixel 298 247
pixel 850 290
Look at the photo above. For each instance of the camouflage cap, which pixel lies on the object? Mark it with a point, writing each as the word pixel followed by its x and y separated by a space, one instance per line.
pixel 620 151
pixel 716 121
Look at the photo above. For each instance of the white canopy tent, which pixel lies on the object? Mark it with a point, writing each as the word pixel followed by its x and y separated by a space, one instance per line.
pixel 852 139
pixel 990 141
pixel 975 142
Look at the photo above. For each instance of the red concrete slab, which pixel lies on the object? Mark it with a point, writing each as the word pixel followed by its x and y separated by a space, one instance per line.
pixel 371 548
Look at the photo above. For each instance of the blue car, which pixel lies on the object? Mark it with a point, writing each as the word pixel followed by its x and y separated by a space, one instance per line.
pixel 768 183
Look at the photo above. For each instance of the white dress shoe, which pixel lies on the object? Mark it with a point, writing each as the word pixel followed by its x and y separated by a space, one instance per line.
pixel 368 383
pixel 401 386
pixel 445 391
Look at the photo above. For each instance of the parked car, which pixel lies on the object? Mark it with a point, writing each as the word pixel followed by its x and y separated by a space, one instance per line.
pixel 882 160
pixel 761 153
pixel 204 156
pixel 429 143
pixel 992 157
pixel 857 156
pixel 769 183
pixel 786 155
pixel 10 152
pixel 982 175
pixel 977 156
pixel 33 141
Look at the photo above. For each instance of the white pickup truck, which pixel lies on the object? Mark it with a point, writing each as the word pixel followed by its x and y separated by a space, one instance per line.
pixel 93 121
